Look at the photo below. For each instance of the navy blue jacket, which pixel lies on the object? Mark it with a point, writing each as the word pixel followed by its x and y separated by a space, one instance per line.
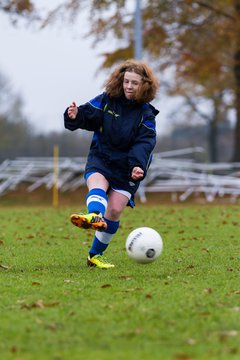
pixel 124 131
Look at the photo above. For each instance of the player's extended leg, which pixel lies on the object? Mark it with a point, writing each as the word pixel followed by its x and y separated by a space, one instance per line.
pixel 116 204
pixel 96 202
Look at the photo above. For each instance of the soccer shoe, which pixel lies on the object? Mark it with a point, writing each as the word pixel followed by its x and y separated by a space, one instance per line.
pixel 99 261
pixel 89 221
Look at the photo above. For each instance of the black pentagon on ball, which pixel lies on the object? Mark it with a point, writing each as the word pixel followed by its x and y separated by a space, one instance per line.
pixel 150 253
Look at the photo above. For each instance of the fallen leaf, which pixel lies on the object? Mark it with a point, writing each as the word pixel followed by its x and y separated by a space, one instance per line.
pixel 205 313
pixel 53 304
pixel 236 309
pixel 207 291
pixel 30 236
pixel 13 349
pixel 233 350
pixel 125 277
pixel 183 357
pixel 5 266
pixel 224 335
pixel 52 326
pixel 39 304
pixel 191 341
pixel 106 286
pixel 35 283
pixel 148 296
pixel 133 289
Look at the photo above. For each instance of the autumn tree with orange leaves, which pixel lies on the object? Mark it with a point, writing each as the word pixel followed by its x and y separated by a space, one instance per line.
pixel 198 40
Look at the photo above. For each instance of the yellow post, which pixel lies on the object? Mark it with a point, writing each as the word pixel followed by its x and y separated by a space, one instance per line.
pixel 55 199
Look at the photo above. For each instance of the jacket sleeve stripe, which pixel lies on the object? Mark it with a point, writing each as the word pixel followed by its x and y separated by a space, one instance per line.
pixel 96 104
pixel 149 124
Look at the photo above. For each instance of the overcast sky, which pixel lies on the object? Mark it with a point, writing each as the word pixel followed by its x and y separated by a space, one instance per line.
pixel 50 68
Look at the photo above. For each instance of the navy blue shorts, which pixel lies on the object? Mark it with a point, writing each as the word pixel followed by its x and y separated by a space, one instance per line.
pixel 117 176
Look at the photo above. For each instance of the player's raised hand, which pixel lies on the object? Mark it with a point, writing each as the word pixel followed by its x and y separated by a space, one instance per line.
pixel 137 173
pixel 72 110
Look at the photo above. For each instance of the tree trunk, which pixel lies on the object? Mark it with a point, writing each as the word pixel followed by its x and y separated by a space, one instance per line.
pixel 213 136
pixel 213 128
pixel 236 155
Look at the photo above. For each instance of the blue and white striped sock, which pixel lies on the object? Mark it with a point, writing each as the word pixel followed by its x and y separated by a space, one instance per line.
pixel 97 201
pixel 103 238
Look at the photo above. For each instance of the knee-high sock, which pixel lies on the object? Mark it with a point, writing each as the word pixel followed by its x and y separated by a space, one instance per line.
pixel 96 201
pixel 102 238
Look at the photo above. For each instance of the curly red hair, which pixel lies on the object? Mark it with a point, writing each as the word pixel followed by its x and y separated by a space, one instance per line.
pixel 149 86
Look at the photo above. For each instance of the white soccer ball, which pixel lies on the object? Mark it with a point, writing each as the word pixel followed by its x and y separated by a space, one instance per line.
pixel 144 245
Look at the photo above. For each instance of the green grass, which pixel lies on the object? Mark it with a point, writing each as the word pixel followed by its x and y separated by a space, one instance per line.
pixel 184 306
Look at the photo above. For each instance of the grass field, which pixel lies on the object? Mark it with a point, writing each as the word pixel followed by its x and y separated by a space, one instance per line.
pixel 184 306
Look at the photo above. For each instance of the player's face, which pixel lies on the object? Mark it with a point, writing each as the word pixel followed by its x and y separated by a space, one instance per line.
pixel 131 83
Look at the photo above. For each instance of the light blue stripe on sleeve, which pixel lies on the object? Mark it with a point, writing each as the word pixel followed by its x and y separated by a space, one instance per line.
pixel 149 124
pixel 97 104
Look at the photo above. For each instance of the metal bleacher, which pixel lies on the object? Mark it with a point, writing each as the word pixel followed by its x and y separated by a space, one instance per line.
pixel 168 173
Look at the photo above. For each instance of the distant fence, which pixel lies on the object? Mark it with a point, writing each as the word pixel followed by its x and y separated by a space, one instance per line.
pixel 167 174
